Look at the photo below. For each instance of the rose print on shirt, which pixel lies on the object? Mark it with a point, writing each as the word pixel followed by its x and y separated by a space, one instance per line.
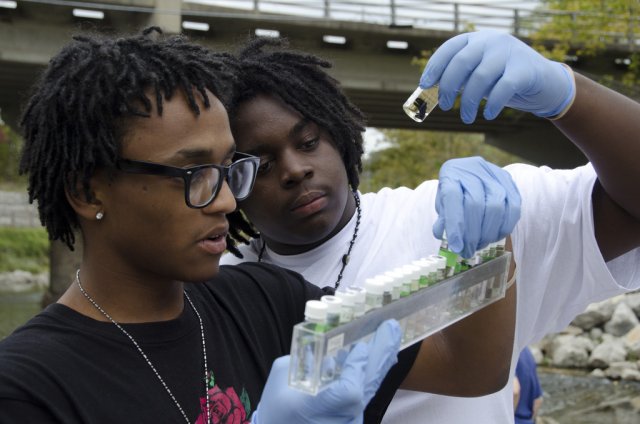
pixel 225 407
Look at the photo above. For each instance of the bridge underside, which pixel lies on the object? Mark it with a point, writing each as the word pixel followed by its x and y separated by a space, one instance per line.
pixel 377 79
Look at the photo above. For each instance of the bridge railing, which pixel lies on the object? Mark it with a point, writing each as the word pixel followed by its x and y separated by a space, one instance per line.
pixel 521 18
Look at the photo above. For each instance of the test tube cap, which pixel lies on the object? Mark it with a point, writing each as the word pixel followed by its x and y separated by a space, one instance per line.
pixel 334 303
pixel 316 310
pixel 348 297
pixel 374 286
pixel 360 292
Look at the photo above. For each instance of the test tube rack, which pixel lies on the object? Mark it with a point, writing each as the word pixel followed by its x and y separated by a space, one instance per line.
pixel 316 357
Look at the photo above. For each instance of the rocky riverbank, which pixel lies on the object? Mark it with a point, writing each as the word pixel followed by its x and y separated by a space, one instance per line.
pixel 590 372
pixel 23 282
pixel 604 340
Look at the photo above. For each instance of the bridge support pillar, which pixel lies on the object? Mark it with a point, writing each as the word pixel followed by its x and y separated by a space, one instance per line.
pixel 541 145
pixel 167 16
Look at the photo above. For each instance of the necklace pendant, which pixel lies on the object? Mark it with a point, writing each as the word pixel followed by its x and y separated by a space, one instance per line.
pixel 345 259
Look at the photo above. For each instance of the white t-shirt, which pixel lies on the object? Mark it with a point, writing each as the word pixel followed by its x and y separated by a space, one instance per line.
pixel 559 272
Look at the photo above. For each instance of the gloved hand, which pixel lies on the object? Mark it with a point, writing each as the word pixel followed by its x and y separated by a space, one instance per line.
pixel 345 399
pixel 504 70
pixel 477 203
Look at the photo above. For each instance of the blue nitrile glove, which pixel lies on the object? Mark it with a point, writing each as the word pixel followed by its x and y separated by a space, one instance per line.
pixel 477 203
pixel 344 400
pixel 497 66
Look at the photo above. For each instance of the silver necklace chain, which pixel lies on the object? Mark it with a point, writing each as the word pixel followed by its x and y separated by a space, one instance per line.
pixel 347 256
pixel 146 358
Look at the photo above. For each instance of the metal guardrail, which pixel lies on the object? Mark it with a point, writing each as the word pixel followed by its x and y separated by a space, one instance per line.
pixel 439 15
pixel 521 18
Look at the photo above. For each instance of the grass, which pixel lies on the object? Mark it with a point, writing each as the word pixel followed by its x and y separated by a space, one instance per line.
pixel 25 249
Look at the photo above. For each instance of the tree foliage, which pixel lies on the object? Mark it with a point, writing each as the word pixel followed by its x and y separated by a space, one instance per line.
pixel 10 147
pixel 416 156
pixel 586 28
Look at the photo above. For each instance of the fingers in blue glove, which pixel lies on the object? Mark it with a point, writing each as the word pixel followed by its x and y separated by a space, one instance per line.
pixel 382 355
pixel 477 203
pixel 344 400
pixel 496 66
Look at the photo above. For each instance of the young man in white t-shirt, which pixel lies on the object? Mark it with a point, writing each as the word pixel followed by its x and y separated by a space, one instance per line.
pixel 577 238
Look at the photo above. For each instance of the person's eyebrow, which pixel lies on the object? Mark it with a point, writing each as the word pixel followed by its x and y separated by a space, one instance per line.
pixel 195 154
pixel 299 126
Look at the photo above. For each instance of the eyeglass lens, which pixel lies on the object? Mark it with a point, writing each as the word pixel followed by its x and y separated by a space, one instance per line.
pixel 205 182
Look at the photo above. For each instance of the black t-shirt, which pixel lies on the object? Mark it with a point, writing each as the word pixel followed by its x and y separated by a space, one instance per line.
pixel 65 367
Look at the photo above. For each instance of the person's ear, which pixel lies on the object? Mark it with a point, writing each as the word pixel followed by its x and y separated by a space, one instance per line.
pixel 88 206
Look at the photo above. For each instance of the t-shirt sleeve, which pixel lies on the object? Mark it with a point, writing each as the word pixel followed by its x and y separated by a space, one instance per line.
pixel 560 269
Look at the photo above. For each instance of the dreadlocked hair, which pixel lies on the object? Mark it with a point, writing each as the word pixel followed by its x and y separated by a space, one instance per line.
pixel 268 66
pixel 76 118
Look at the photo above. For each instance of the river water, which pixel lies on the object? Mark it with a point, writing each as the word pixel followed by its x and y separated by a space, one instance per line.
pixel 570 397
pixel 15 309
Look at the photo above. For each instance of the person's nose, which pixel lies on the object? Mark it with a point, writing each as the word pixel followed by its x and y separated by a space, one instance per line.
pixel 294 169
pixel 224 202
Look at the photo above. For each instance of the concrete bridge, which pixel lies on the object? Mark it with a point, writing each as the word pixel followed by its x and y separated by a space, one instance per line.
pixel 378 76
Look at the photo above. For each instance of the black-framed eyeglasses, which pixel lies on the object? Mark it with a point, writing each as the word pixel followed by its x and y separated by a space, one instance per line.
pixel 202 183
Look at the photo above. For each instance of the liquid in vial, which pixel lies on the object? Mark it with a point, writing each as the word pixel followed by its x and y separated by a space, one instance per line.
pixel 421 102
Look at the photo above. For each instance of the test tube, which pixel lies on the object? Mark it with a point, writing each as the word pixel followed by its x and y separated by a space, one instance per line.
pixel 348 305
pixel 441 266
pixel 375 291
pixel 421 102
pixel 334 309
pixel 360 305
pixel 453 259
pixel 396 278
pixel 315 316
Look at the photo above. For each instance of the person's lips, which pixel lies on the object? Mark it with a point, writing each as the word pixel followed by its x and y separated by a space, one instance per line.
pixel 215 242
pixel 309 203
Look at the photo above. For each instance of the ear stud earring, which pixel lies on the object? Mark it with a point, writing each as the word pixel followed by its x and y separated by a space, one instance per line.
pixel 99 215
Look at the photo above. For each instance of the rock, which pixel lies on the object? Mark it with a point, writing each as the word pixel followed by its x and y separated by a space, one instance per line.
pixel 23 282
pixel 630 374
pixel 538 356
pixel 596 334
pixel 596 314
pixel 632 342
pixel 622 320
pixel 633 300
pixel 570 351
pixel 617 369
pixel 608 352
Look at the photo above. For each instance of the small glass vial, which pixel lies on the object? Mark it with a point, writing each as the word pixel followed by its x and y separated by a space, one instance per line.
pixel 315 316
pixel 348 305
pixel 441 266
pixel 432 270
pixel 500 246
pixel 360 306
pixel 334 309
pixel 453 259
pixel 387 294
pixel 421 102
pixel 413 274
pixel 396 278
pixel 375 290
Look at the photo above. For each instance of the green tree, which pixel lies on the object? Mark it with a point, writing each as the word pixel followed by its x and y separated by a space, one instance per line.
pixel 586 28
pixel 10 146
pixel 415 156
